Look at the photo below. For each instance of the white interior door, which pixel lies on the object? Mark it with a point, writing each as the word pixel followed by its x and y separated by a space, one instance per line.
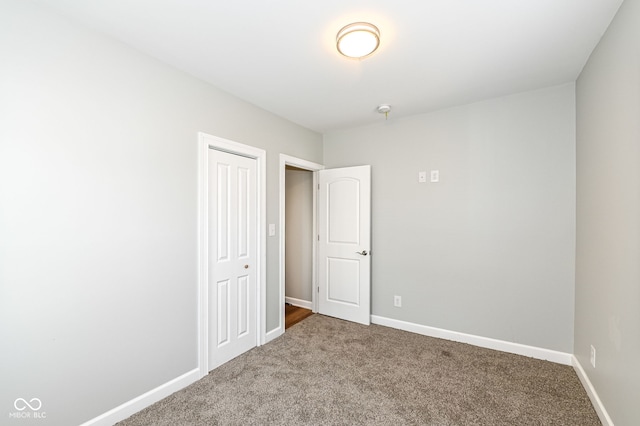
pixel 232 256
pixel 345 243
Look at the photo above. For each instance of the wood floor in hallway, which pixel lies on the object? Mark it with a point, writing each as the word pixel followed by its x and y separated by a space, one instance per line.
pixel 294 314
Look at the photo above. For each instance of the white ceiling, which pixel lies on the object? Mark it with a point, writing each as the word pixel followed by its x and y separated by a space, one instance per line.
pixel 281 56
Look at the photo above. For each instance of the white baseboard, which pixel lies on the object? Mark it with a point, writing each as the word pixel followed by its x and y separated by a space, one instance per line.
pixel 591 391
pixel 276 332
pixel 141 402
pixel 298 302
pixel 483 342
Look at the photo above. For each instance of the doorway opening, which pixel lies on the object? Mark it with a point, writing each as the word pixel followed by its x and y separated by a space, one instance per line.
pixel 341 260
pixel 299 243
pixel 298 248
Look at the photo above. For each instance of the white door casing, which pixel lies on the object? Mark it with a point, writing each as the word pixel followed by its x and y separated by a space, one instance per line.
pixel 345 243
pixel 232 256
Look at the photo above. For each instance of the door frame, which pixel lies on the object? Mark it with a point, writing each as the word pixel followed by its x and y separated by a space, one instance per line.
pixel 288 160
pixel 205 143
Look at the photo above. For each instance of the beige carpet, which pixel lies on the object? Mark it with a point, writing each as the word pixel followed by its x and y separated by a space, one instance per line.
pixel 325 371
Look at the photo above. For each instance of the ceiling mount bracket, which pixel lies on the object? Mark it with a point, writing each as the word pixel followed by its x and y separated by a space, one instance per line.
pixel 384 109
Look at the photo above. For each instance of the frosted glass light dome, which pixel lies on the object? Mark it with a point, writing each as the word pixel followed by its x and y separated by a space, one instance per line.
pixel 358 40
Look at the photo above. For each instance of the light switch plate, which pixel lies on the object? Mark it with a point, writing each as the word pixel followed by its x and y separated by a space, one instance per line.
pixel 272 229
pixel 422 177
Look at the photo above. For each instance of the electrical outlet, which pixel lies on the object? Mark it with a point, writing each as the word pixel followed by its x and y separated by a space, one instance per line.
pixel 435 176
pixel 593 357
pixel 397 301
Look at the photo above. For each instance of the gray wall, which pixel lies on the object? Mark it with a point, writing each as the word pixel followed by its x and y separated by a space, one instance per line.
pixel 489 250
pixel 608 216
pixel 98 213
pixel 299 233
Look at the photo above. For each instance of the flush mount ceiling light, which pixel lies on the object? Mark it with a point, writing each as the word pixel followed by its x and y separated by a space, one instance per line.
pixel 358 40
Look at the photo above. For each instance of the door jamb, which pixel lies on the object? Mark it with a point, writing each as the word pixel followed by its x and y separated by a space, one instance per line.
pixel 206 142
pixel 287 160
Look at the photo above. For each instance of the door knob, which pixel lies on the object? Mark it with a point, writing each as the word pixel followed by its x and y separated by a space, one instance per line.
pixel 362 253
pixel 246 266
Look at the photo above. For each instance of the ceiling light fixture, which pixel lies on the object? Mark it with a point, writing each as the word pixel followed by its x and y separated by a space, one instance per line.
pixel 358 40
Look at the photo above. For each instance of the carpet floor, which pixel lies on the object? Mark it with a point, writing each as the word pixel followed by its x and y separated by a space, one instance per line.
pixel 324 371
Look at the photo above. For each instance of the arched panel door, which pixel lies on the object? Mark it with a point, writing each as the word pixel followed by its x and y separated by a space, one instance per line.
pixel 345 243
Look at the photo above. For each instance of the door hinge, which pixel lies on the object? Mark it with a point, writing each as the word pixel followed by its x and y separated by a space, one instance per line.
pixel 318 237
